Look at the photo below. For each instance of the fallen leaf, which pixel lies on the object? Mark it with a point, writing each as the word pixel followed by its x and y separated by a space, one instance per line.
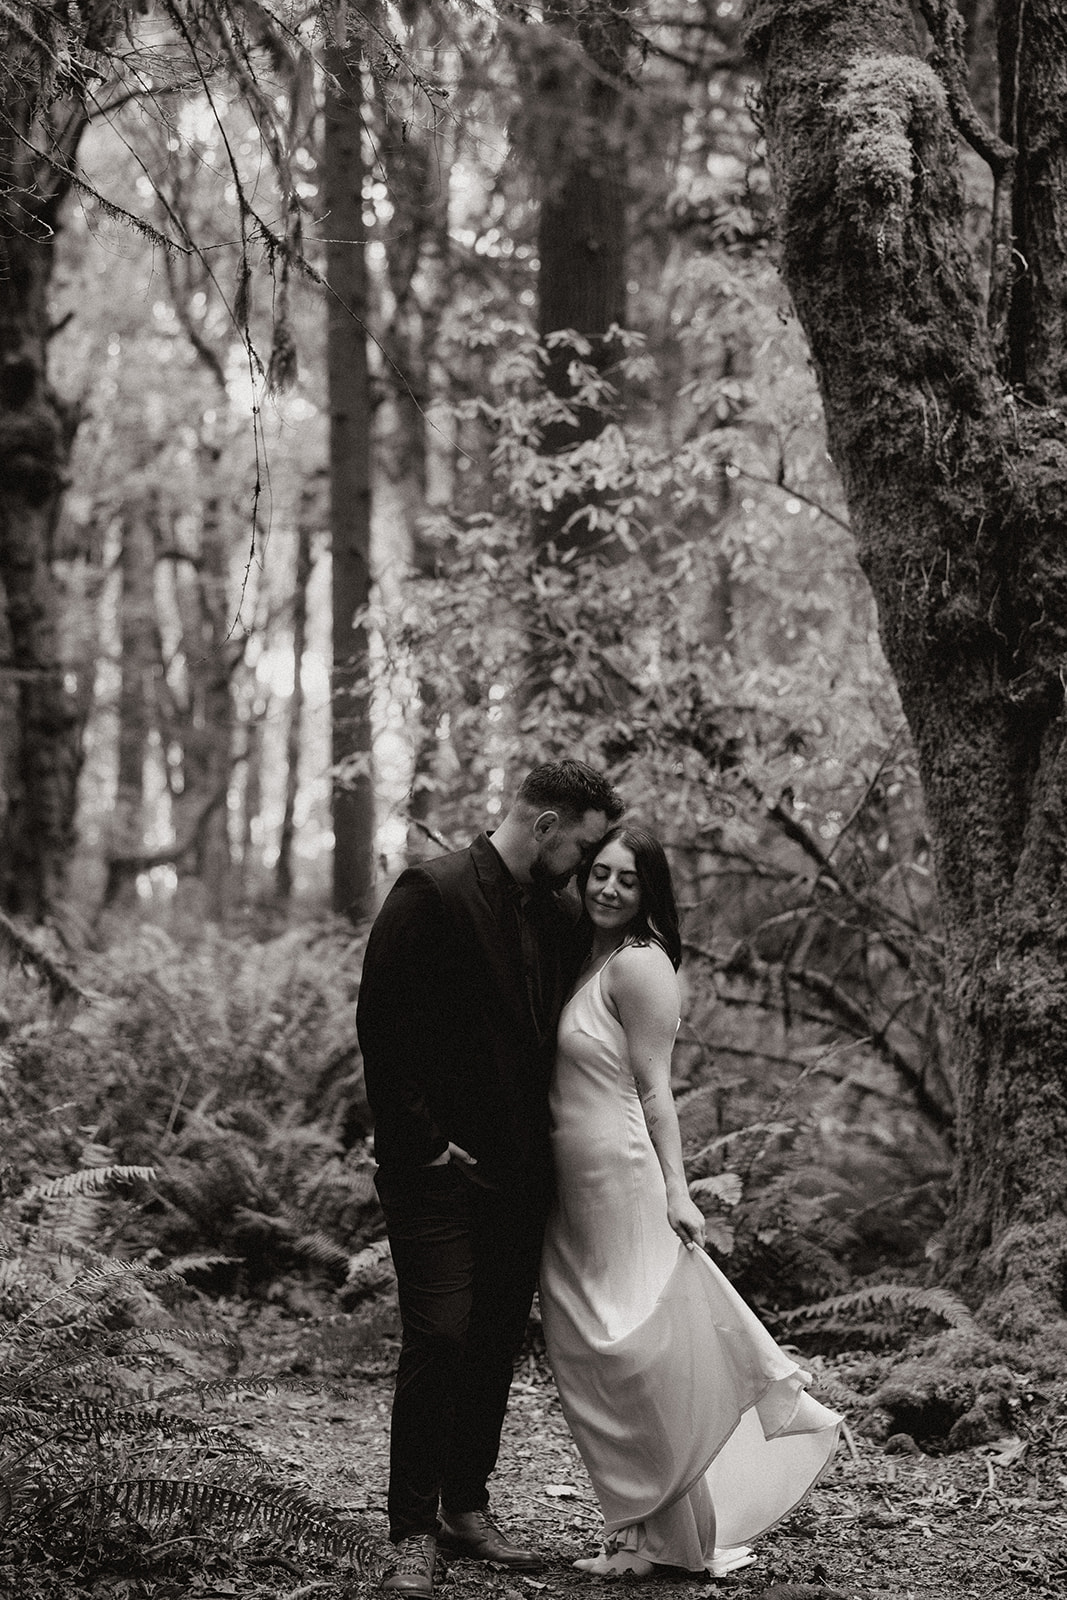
pixel 560 1491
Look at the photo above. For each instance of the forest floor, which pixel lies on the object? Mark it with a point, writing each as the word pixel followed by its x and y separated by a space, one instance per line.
pixel 982 1524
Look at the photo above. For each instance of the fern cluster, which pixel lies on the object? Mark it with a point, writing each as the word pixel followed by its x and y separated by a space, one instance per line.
pixel 104 1429
pixel 231 1068
pixel 803 1195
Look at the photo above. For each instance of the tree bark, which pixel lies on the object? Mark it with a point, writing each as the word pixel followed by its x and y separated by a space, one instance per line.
pixel 283 870
pixel 576 130
pixel 958 497
pixel 139 665
pixel 350 495
pixel 206 734
pixel 41 725
pixel 1032 46
pixel 417 167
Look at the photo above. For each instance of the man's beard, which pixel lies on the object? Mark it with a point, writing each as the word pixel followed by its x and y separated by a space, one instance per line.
pixel 546 882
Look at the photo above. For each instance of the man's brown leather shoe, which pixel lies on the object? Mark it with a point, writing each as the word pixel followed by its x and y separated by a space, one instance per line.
pixel 474 1533
pixel 413 1573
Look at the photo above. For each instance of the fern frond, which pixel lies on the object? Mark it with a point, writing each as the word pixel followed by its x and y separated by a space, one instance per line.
pixel 196 1338
pixel 255 1383
pixel 273 1508
pixel 769 1130
pixel 721 1236
pixel 96 1365
pixel 321 1249
pixel 724 1187
pixel 113 1268
pixel 898 1297
pixel 97 1419
pixel 50 1241
pixel 88 1181
pixel 369 1266
pixel 326 1188
pixel 183 1265
pixel 108 1272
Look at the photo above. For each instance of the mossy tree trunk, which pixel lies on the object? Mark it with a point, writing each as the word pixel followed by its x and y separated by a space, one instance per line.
pixel 212 655
pixel 40 719
pixel 953 454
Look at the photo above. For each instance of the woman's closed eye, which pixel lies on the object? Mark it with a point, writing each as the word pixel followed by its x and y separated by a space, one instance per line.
pixel 626 880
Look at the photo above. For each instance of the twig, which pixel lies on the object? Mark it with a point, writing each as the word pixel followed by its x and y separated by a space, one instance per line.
pixel 431 834
pixel 28 954
pixel 950 62
pixel 841 1008
pixel 846 1434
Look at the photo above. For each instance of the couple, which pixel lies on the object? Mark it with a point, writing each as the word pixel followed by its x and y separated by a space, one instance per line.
pixel 517 1062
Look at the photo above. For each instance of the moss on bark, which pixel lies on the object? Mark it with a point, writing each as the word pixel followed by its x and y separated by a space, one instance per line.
pixel 957 499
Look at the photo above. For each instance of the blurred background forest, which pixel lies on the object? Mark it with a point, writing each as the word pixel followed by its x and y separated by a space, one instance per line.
pixel 414 398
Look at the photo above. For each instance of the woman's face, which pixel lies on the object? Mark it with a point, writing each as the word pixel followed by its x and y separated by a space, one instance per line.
pixel 613 894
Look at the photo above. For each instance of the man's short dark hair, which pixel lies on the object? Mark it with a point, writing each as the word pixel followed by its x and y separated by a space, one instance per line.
pixel 571 788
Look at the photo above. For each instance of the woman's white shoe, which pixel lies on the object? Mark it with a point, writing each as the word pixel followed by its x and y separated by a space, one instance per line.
pixel 610 1562
pixel 729 1560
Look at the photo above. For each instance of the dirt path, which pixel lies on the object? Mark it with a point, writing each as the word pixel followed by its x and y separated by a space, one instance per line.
pixel 987 1524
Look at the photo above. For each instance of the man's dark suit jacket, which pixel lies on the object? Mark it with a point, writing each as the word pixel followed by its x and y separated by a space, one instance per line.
pixel 457 1033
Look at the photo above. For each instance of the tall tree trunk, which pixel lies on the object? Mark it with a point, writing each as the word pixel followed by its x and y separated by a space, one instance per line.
pixel 576 128
pixel 139 666
pixel 41 727
pixel 257 711
pixel 350 422
pixel 283 871
pixel 958 498
pixel 572 129
pixel 207 733
pixel 416 164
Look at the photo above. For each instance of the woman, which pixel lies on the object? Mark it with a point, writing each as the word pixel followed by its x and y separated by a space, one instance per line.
pixel 695 1428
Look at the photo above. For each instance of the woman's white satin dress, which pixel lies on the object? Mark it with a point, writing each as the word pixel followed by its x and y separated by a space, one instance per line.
pixel 696 1429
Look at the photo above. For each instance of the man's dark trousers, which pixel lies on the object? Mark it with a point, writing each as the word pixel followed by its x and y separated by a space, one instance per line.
pixel 466 1260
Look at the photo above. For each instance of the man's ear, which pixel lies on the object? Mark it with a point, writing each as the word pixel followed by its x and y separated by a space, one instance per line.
pixel 545 824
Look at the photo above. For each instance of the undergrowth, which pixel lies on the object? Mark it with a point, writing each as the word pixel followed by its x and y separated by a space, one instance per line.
pixel 107 1440
pixel 232 1070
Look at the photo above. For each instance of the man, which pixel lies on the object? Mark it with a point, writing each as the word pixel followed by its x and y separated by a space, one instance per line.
pixel 466 970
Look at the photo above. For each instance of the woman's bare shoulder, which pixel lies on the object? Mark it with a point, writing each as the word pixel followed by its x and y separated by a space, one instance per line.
pixel 644 969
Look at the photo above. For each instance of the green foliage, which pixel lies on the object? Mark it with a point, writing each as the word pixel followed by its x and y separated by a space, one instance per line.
pixel 97 1440
pixel 712 648
pixel 817 1180
pixel 231 1070
pixel 877 1314
pixel 613 650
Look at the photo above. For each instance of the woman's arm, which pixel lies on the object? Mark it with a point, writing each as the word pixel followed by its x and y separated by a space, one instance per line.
pixel 641 985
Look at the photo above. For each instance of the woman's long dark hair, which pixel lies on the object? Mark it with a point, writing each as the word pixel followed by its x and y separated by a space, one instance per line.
pixel 656 921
